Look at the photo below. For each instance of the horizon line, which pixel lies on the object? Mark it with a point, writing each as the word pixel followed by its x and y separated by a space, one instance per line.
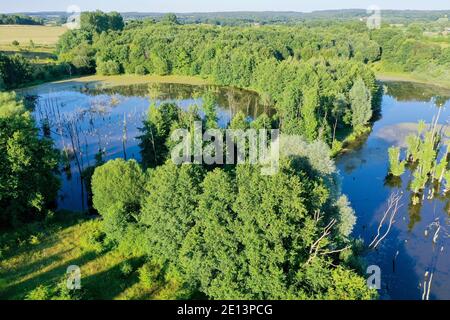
pixel 226 11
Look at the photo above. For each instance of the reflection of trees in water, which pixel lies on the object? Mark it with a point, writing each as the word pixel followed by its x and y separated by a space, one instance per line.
pixel 407 91
pixel 414 209
pixel 98 126
pixel 233 99
pixel 75 130
pixel 393 181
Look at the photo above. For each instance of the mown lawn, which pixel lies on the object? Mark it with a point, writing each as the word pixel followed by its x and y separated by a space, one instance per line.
pixel 39 254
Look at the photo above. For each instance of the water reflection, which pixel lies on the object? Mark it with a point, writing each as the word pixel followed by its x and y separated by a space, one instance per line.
pixel 408 256
pixel 98 124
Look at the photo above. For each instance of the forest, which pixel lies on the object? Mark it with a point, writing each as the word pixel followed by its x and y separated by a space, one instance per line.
pixel 218 231
pixel 19 19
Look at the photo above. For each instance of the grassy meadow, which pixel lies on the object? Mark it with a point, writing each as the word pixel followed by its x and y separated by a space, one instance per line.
pixel 41 35
pixel 36 43
pixel 37 256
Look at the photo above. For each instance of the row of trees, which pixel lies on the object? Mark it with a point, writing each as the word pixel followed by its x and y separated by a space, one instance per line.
pixel 16 71
pixel 409 50
pixel 307 78
pixel 233 233
pixel 19 19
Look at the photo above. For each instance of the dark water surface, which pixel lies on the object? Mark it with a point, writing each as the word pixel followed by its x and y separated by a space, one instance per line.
pixel 108 119
pixel 408 252
pixel 102 117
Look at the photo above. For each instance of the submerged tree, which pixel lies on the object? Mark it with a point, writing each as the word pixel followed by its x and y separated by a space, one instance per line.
pixel 423 150
pixel 397 167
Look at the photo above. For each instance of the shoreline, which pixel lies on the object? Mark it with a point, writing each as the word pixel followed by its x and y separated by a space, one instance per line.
pixel 405 77
pixel 91 81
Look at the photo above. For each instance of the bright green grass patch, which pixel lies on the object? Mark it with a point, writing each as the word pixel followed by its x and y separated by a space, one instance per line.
pixel 384 73
pixel 37 256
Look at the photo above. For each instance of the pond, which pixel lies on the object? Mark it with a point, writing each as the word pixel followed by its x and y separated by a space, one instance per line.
pixel 94 118
pixel 107 119
pixel 407 256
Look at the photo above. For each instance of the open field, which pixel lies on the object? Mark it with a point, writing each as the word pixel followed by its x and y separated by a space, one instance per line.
pixel 41 35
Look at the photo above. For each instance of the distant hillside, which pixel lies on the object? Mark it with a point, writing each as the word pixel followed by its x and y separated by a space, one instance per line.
pixel 19 19
pixel 270 17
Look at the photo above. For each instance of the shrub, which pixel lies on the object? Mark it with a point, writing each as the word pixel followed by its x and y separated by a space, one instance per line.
pixel 397 167
pixel 117 188
pixel 140 70
pixel 126 268
pixel 148 274
pixel 40 293
pixel 94 237
pixel 108 68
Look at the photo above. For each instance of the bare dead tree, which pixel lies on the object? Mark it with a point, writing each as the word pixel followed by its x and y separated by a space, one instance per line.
pixel 391 211
pixel 428 279
pixel 124 137
pixel 316 248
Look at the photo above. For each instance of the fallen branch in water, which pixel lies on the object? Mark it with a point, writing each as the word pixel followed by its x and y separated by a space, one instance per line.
pixel 392 209
pixel 427 286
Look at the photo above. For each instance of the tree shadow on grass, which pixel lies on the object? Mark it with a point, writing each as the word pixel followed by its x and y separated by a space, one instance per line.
pixel 108 284
pixel 53 276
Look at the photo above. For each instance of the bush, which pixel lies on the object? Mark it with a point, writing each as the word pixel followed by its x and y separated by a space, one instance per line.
pixel 117 188
pixel 94 237
pixel 140 70
pixel 108 68
pixel 126 268
pixel 39 293
pixel 148 274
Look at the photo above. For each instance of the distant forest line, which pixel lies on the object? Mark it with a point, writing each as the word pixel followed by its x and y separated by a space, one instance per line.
pixel 265 17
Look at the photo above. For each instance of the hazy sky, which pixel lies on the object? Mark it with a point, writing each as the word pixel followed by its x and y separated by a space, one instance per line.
pixel 215 5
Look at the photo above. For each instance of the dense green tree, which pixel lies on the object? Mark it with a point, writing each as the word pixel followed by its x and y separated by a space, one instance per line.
pixel 168 210
pixel 361 104
pixel 209 108
pixel 15 71
pixel 170 18
pixel 118 189
pixel 97 22
pixel 28 163
pixel 308 113
pixel 253 237
pixel 156 133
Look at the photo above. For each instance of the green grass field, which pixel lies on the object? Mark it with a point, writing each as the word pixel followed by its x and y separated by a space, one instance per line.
pixel 39 254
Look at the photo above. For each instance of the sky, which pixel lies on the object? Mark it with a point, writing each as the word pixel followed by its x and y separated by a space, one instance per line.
pixel 215 5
